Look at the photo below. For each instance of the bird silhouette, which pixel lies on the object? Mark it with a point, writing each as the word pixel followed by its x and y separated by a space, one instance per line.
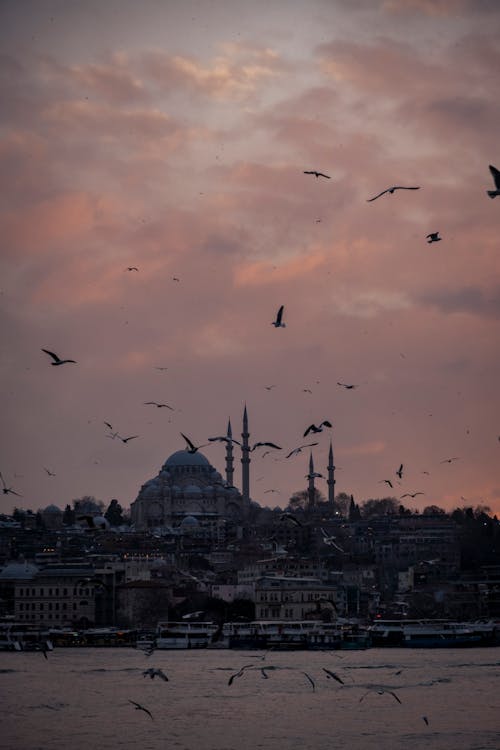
pixel 159 406
pixel 57 360
pixel 495 173
pixel 278 323
pixel 412 494
pixel 50 473
pixel 319 428
pixel 239 673
pixel 8 490
pixel 126 439
pixel 433 237
pixel 310 680
pixel 132 268
pixel 269 387
pixel 391 191
pixel 330 674
pixel 314 475
pixel 380 691
pixel 449 460
pixel 300 448
pixel 264 444
pixel 387 481
pixel 191 447
pixel 349 386
pixel 223 439
pixel 399 472
pixel 138 707
pixel 318 174
pixel 152 672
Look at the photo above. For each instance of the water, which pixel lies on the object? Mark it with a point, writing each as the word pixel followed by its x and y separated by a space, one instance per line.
pixel 78 698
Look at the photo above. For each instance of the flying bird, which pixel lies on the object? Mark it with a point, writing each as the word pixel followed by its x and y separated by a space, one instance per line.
pixel 8 490
pixel 330 674
pixel 138 707
pixel 387 481
pixel 298 450
pixel 380 691
pixel 269 387
pixel 495 173
pixel 152 672
pixel 290 517
pixel 50 473
pixel 159 406
pixel 132 268
pixel 223 439
pixel 108 425
pixel 162 369
pixel 433 237
pixel 310 680
pixel 314 475
pixel 263 444
pixel 412 494
pixel 318 174
pixel 399 472
pixel 347 385
pixel 125 440
pixel 449 460
pixel 238 674
pixel 279 318
pixel 391 191
pixel 191 447
pixel 57 360
pixel 313 428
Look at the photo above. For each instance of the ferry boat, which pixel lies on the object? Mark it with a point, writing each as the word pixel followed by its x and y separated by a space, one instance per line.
pixel 186 634
pixel 431 633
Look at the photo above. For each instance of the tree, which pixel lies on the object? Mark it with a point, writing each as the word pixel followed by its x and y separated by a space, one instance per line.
pixel 68 518
pixel 114 513
pixel 385 506
pixel 300 500
pixel 433 510
pixel 88 504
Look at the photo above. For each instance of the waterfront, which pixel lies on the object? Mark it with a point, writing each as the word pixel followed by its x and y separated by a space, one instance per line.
pixel 79 698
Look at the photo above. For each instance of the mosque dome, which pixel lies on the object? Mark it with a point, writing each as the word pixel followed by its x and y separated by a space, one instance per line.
pixel 184 458
pixel 52 509
pixel 189 522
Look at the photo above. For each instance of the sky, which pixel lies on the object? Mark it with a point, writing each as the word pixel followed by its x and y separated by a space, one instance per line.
pixel 173 137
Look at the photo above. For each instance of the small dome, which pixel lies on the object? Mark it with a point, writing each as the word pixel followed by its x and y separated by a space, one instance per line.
pixel 52 509
pixel 189 521
pixel 100 522
pixel 184 458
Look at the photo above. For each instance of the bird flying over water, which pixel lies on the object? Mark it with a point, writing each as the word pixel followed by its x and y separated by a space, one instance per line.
pixel 138 707
pixel 278 323
pixel 319 428
pixel 57 360
pixel 152 672
pixel 433 237
pixel 332 675
pixel 380 691
pixel 310 680
pixel 391 191
pixel 318 174
pixel 495 173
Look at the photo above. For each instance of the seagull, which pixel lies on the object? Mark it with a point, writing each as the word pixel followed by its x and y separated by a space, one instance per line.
pixel 387 481
pixel 495 173
pixel 162 369
pixel 132 268
pixel 266 491
pixel 269 445
pixel 279 315
pixel 314 475
pixel 138 707
pixel 306 390
pixel 380 691
pixel 449 460
pixel 8 490
pixel 412 494
pixel 433 237
pixel 400 471
pixel 313 428
pixel 330 674
pixel 239 673
pixel 155 673
pixel 298 450
pixel 347 385
pixel 318 174
pixel 424 718
pixel 391 191
pixel 310 680
pixel 289 517
pixel 125 440
pixel 269 387
pixel 175 278
pixel 50 473
pixel 108 425
pixel 192 448
pixel 223 439
pixel 159 406
pixel 57 360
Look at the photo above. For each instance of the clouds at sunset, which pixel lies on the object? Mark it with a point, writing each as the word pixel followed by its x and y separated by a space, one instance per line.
pixel 182 154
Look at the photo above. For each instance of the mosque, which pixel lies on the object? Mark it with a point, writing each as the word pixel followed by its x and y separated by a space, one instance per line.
pixel 188 490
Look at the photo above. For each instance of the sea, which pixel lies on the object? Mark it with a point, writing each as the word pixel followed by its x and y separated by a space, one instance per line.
pixel 81 699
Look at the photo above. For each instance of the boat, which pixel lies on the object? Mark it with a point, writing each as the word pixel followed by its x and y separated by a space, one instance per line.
pixel 186 634
pixel 282 635
pixel 430 633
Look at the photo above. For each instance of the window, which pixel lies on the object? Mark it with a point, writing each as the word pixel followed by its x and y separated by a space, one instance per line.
pixel 41 606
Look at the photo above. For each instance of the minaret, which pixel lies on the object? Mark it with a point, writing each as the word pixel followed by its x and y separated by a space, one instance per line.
pixel 310 489
pixel 229 455
pixel 331 476
pixel 245 459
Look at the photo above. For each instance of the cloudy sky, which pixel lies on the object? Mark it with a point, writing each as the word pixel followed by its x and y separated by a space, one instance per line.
pixel 172 137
